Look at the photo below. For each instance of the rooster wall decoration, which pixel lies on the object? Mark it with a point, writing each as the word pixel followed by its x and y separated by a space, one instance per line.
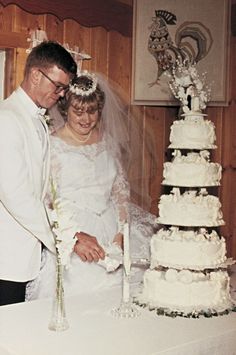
pixel 192 42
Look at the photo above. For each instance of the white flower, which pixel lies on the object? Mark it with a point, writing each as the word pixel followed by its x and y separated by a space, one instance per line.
pixel 64 226
pixel 185 81
pixel 47 118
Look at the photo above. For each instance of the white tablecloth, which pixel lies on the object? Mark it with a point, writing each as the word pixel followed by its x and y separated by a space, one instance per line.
pixel 94 331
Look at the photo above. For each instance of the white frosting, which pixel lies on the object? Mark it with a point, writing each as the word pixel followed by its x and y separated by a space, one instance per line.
pixel 190 209
pixel 191 249
pixel 193 132
pixel 193 169
pixel 184 287
pixel 186 291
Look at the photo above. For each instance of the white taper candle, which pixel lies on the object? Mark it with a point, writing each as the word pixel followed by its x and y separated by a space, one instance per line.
pixel 127 262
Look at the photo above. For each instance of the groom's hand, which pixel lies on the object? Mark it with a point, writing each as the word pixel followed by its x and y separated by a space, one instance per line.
pixel 88 248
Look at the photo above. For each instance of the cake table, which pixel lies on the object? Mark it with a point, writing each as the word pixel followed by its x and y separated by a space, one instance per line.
pixel 93 331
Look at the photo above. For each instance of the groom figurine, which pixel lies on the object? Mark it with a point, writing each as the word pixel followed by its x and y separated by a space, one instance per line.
pixel 24 167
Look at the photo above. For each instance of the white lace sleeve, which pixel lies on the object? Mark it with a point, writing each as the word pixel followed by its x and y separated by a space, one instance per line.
pixel 120 196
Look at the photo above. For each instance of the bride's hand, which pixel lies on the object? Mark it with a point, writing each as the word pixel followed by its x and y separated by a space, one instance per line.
pixel 88 248
pixel 118 240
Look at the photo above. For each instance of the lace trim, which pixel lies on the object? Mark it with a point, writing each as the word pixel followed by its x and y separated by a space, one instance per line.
pixel 89 150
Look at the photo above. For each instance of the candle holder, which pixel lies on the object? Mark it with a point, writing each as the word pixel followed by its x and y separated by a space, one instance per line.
pixel 126 309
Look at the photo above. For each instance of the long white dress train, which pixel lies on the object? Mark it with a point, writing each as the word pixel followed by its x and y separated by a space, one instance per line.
pixel 93 182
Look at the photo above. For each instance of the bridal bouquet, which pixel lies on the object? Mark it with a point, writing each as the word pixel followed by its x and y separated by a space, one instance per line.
pixel 64 229
pixel 185 81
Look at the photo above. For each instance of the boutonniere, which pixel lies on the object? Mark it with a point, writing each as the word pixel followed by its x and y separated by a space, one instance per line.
pixel 47 119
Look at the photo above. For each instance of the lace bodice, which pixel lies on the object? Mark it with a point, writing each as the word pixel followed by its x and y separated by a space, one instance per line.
pixel 90 178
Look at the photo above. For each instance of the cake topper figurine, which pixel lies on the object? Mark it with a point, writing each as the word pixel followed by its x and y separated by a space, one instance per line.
pixel 188 86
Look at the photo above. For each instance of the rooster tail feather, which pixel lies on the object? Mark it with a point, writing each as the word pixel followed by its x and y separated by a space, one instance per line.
pixel 194 39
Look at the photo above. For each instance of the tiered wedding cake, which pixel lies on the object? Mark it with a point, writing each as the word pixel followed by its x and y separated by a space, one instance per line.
pixel 188 271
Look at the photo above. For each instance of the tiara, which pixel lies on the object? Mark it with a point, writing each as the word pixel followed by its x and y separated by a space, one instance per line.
pixel 83 89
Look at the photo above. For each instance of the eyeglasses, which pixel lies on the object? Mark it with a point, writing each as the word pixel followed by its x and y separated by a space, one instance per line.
pixel 58 88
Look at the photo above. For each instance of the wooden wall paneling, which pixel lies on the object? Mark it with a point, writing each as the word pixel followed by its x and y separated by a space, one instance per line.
pixel 233 101
pixel 228 185
pixel 143 170
pixel 79 36
pixel 13 40
pixel 232 172
pixel 24 21
pixel 10 72
pixel 227 135
pixel 155 140
pixel 233 214
pixel 54 28
pixel 233 136
pixel 21 56
pixel 232 69
pixel 99 50
pixel 112 15
pixel 8 37
pixel 119 61
pixel 225 199
pixel 215 114
pixel 7 15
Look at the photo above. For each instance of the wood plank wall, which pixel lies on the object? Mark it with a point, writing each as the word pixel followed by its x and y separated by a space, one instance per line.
pixel 112 55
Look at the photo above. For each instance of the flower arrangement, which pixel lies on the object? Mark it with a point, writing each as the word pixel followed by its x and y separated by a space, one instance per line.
pixel 64 229
pixel 63 226
pixel 186 83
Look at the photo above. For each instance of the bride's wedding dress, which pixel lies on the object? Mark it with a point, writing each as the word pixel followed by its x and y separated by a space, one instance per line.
pixel 93 182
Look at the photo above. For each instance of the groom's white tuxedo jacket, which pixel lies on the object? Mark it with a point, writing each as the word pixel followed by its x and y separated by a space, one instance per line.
pixel 24 173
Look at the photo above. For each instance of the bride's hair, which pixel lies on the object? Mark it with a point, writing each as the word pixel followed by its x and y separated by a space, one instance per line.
pixel 83 91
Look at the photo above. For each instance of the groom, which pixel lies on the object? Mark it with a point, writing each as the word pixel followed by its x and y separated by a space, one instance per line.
pixel 24 167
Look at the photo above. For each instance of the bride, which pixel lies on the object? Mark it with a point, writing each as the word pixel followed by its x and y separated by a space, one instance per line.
pixel 90 157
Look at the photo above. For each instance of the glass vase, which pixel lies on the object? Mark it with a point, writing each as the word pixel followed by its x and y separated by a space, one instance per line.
pixel 58 320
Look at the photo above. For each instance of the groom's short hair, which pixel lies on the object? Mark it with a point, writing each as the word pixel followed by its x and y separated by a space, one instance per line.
pixel 48 54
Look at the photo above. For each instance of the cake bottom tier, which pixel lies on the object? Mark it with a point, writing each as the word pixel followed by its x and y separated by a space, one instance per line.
pixel 186 292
